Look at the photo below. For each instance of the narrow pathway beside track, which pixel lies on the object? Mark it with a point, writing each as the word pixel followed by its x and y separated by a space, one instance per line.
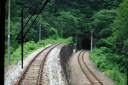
pixel 83 71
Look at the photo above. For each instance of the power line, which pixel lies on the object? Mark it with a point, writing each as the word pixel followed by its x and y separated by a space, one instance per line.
pixel 36 17
pixel 28 20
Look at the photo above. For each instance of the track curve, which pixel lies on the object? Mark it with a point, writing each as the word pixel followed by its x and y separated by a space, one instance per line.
pixel 85 69
pixel 33 71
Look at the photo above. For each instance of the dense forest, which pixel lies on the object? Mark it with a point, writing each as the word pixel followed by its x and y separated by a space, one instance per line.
pixel 62 19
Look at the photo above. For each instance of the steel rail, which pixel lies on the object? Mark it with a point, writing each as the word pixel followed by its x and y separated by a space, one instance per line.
pixel 81 54
pixel 42 64
pixel 25 70
pixel 91 71
pixel 83 69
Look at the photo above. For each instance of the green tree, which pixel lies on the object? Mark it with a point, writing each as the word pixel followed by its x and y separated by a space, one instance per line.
pixel 68 23
pixel 120 29
pixel 120 24
pixel 102 21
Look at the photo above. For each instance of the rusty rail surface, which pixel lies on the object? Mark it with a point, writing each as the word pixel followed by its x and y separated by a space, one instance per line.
pixel 81 54
pixel 42 64
pixel 29 65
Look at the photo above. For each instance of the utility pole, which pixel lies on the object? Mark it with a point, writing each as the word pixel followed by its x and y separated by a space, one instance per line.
pixel 76 43
pixel 127 71
pixel 9 2
pixel 127 75
pixel 92 30
pixel 22 39
pixel 40 32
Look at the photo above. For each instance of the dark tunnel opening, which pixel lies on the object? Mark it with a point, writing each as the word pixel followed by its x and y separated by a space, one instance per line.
pixel 85 44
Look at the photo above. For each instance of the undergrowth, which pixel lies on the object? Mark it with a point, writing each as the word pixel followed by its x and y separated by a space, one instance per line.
pixel 31 46
pixel 108 63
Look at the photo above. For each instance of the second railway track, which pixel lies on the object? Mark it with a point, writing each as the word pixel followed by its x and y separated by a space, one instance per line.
pixel 94 80
pixel 33 71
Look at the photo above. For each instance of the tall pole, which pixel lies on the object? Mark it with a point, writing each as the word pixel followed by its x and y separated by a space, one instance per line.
pixel 76 42
pixel 9 32
pixel 40 32
pixel 127 71
pixel 22 40
pixel 92 30
pixel 91 40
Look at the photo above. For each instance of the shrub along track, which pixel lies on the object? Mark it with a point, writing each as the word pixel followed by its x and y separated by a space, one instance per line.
pixel 33 71
pixel 88 73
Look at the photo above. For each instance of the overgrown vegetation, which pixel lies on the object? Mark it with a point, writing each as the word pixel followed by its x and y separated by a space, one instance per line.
pixel 108 63
pixel 31 46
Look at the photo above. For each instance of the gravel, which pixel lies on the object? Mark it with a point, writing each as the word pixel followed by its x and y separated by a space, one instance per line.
pixel 12 72
pixel 55 71
pixel 77 77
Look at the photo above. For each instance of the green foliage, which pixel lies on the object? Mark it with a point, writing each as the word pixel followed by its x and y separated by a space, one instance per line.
pixel 13 42
pixel 119 29
pixel 118 77
pixel 102 21
pixel 69 27
pixel 31 46
pixel 109 64
pixel 125 47
pixel 45 29
pixel 65 16
pixel 53 33
pixel 112 60
pixel 120 24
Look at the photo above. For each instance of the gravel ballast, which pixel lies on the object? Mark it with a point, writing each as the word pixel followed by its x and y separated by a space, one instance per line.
pixel 12 72
pixel 53 71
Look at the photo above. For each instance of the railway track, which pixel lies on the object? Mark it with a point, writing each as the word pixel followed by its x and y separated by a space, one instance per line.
pixel 33 71
pixel 93 79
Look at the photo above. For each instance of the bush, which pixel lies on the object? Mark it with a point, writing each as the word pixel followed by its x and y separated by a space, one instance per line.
pixel 31 46
pixel 109 63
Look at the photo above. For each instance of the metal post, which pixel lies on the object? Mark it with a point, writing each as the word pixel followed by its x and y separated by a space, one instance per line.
pixel 91 40
pixel 127 71
pixel 40 32
pixel 22 40
pixel 9 32
pixel 76 43
pixel 92 30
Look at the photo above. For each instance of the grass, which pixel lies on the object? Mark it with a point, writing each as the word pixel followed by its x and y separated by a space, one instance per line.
pixel 67 69
pixel 68 73
pixel 105 62
pixel 30 47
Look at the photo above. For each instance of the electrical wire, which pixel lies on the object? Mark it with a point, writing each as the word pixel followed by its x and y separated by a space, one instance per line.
pixel 36 17
pixel 28 20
